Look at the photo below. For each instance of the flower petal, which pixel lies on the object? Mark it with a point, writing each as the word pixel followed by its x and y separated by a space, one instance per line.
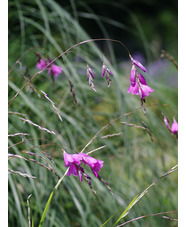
pixel 133 76
pixel 146 90
pixel 174 127
pixel 109 71
pixel 41 64
pixel 73 170
pixel 139 65
pixel 142 79
pixel 91 72
pixel 56 69
pixel 103 71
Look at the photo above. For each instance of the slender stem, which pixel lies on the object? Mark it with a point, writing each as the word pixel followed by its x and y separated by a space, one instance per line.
pixel 145 216
pixel 77 44
pixel 50 199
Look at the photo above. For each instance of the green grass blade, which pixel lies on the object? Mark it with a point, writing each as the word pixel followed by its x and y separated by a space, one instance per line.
pixel 139 196
pixel 46 208
pixel 125 212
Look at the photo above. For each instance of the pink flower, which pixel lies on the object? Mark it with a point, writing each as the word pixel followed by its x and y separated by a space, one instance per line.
pixel 74 161
pixel 138 64
pixel 140 89
pixel 138 82
pixel 166 121
pixel 174 127
pixel 133 76
pixel 42 64
pixel 89 72
pixel 95 164
pixel 55 70
pixel 105 70
pixel 51 68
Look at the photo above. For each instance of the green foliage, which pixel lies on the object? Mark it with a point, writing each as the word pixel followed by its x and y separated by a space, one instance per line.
pixel 131 160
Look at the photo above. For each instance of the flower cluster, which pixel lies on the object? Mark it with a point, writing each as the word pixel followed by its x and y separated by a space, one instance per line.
pixel 174 127
pixel 74 161
pixel 52 68
pixel 105 72
pixel 90 77
pixel 138 83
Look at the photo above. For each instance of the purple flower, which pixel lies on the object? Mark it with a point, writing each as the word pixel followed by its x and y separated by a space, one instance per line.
pixel 133 76
pixel 174 127
pixel 42 64
pixel 95 164
pixel 142 79
pixel 166 121
pixel 90 77
pixel 138 82
pixel 89 71
pixel 138 64
pixel 51 68
pixel 105 70
pixel 74 161
pixel 55 70
pixel 140 89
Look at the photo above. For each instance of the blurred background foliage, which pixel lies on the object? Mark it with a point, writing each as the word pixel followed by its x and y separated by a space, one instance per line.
pixel 131 160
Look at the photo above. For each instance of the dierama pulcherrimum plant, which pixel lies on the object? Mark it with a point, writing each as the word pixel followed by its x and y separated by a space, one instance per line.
pixel 138 82
pixel 53 69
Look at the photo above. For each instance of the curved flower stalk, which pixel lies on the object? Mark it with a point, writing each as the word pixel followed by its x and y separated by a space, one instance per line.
pixel 174 127
pixel 138 82
pixel 74 161
pixel 107 72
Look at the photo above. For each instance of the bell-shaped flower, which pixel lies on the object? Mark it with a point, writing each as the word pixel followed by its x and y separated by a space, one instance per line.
pixel 174 127
pixel 73 161
pixel 55 69
pixel 52 68
pixel 140 89
pixel 95 164
pixel 41 64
